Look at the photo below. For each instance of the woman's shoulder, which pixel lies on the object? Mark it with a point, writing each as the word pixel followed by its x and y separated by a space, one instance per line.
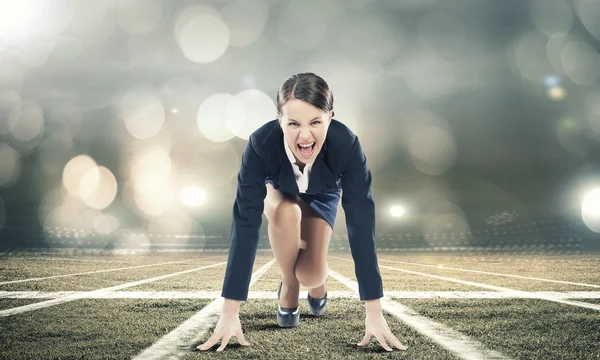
pixel 339 135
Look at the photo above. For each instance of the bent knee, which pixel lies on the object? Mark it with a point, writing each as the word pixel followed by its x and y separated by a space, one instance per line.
pixel 286 212
pixel 311 279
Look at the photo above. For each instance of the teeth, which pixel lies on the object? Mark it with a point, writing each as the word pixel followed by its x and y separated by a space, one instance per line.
pixel 309 145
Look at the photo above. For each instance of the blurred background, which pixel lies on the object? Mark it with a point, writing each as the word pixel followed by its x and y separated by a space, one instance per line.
pixel 122 122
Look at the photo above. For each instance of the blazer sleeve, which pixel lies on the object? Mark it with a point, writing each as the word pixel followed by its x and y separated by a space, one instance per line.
pixel 247 219
pixel 359 209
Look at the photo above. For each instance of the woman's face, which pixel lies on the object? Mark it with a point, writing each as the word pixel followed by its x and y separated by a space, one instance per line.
pixel 304 124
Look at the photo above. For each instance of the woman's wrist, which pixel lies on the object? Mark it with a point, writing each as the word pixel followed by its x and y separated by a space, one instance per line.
pixel 373 305
pixel 231 306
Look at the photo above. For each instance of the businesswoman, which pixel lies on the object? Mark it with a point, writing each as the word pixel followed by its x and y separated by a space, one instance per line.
pixel 294 169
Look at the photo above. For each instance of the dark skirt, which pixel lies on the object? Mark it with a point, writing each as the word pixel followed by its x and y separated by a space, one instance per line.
pixel 324 204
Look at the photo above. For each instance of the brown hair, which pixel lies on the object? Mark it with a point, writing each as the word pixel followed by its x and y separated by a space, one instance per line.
pixel 308 87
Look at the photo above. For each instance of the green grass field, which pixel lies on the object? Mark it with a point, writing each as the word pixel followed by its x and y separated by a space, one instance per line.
pixel 162 305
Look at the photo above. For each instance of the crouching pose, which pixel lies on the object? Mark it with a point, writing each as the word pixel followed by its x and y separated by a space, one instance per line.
pixel 294 169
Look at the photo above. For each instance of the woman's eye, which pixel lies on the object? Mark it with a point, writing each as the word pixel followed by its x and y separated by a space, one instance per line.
pixel 317 122
pixel 293 124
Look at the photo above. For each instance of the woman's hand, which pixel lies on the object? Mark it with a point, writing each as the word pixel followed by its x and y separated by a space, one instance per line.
pixel 375 325
pixel 229 325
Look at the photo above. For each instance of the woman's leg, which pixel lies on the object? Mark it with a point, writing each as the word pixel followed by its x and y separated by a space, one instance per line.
pixel 300 239
pixel 284 216
pixel 311 266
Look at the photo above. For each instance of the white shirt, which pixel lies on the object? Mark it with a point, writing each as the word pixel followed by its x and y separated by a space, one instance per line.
pixel 301 177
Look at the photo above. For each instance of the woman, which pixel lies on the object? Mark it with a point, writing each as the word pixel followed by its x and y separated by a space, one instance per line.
pixel 294 169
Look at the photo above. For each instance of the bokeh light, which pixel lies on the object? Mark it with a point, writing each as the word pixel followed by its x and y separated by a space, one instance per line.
pixel 27 122
pixel 590 210
pixel 257 109
pixel 10 166
pixel 216 113
pixel 581 62
pixel 74 172
pixel 552 17
pixel 588 11
pixel 122 123
pixel 139 16
pixel 193 196
pixel 98 188
pixel 106 224
pixel 430 144
pixel 397 211
pixel 201 34
pixel 15 18
pixel 246 20
pixel 142 112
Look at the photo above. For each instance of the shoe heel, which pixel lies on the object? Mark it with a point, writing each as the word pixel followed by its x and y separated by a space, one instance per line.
pixel 287 317
pixel 317 305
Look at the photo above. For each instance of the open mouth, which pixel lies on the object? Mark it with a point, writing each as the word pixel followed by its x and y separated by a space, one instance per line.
pixel 306 149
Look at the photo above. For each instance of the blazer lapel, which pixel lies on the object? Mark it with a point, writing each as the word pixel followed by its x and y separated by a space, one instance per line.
pixel 320 174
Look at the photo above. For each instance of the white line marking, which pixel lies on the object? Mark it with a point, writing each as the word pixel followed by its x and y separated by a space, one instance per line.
pixel 99 271
pixel 271 295
pixel 522 293
pixel 494 273
pixel 461 345
pixel 91 294
pixel 180 340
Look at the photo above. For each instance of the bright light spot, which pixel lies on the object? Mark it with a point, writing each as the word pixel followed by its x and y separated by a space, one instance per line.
pixel 15 16
pixel 590 210
pixel 556 93
pixel 201 34
pixel 215 115
pixel 174 111
pixel 551 81
pixel 103 193
pixel 397 211
pixel 74 172
pixel 151 181
pixel 257 107
pixel 193 196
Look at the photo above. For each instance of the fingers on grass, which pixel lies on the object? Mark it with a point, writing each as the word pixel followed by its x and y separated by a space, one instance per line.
pixel 365 339
pixel 209 343
pixel 241 339
pixel 394 340
pixel 224 343
pixel 381 340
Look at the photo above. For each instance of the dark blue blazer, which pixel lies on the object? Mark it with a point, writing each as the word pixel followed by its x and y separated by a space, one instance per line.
pixel 341 162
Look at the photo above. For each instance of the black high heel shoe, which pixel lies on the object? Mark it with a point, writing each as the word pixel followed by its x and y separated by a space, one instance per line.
pixel 317 305
pixel 287 317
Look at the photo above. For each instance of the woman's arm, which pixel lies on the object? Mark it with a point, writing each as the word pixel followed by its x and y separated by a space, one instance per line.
pixel 359 208
pixel 247 219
